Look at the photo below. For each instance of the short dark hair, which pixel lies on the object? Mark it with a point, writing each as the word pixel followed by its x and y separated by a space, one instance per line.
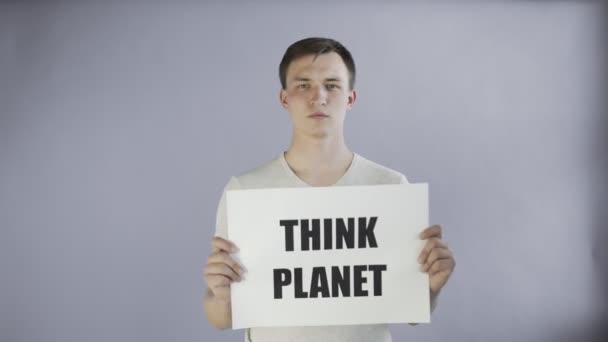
pixel 316 46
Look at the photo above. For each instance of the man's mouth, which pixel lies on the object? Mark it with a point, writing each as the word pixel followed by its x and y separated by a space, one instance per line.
pixel 318 115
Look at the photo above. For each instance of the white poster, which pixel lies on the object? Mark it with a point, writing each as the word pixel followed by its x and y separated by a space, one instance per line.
pixel 329 255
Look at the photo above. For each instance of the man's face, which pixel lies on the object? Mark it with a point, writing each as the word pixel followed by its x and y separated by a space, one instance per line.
pixel 317 94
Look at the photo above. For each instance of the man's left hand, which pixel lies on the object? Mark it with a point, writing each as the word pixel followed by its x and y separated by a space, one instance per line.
pixel 436 259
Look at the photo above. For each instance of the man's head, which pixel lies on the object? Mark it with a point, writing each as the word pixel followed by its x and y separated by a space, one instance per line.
pixel 317 86
pixel 316 46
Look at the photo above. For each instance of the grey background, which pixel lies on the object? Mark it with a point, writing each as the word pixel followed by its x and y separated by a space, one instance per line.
pixel 121 122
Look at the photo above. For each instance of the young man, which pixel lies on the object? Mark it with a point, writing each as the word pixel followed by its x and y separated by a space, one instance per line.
pixel 317 78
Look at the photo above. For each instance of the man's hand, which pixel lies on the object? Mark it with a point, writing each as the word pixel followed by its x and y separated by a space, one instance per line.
pixel 221 270
pixel 436 259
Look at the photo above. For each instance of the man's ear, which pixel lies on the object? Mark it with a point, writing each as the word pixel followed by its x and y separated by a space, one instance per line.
pixel 352 98
pixel 283 98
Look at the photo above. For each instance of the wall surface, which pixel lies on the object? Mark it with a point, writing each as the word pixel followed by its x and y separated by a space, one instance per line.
pixel 120 123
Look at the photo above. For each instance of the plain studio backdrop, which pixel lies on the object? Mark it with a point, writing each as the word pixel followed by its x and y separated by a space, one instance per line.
pixel 121 123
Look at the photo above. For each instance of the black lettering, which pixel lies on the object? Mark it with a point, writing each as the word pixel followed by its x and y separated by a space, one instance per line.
pixel 319 283
pixel 340 280
pixel 345 234
pixel 359 280
pixel 282 277
pixel 288 224
pixel 328 231
pixel 313 233
pixel 299 292
pixel 366 232
pixel 377 271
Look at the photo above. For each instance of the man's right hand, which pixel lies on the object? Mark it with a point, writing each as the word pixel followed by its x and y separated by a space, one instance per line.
pixel 221 270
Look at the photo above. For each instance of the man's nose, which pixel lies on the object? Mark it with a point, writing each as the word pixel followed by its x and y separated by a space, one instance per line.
pixel 318 96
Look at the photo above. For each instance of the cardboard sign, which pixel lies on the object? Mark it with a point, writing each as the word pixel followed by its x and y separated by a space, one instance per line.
pixel 329 255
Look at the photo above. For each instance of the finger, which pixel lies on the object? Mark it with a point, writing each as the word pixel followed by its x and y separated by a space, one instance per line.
pixel 223 257
pixel 219 244
pixel 442 265
pixel 221 269
pixel 432 231
pixel 215 281
pixel 437 254
pixel 430 244
pixel 222 293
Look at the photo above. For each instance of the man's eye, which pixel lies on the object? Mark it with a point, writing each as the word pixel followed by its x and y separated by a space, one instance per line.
pixel 332 86
pixel 302 86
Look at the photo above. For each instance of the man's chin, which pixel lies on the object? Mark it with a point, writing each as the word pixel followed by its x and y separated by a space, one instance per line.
pixel 319 135
pixel 314 135
pixel 316 132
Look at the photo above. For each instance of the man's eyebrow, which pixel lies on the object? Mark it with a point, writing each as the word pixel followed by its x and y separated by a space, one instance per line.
pixel 305 79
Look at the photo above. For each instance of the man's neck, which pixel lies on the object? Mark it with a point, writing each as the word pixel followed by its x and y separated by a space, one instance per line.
pixel 319 161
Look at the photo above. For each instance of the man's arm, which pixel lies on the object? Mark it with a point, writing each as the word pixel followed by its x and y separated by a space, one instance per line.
pixel 437 260
pixel 434 301
pixel 218 312
pixel 221 270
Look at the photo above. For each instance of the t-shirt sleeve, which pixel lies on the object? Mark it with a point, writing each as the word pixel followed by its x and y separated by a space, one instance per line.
pixel 221 226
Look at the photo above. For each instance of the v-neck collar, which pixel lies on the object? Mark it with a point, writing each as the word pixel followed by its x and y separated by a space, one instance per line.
pixel 301 182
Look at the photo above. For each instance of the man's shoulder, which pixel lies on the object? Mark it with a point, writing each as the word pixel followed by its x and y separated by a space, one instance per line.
pixel 262 175
pixel 378 173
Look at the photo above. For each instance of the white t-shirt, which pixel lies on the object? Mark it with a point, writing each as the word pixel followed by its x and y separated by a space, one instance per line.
pixel 277 174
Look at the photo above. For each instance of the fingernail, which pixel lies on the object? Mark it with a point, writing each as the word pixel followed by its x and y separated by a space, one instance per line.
pixel 234 249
